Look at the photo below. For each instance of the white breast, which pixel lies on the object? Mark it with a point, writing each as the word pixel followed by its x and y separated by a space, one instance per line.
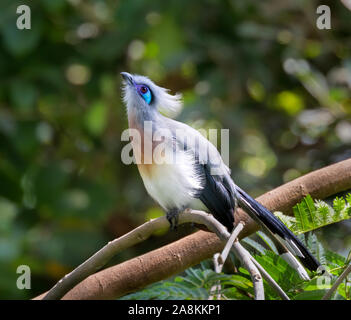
pixel 173 185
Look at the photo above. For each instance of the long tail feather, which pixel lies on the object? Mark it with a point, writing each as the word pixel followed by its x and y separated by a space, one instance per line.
pixel 265 218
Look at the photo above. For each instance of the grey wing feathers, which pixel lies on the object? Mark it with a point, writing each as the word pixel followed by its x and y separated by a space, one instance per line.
pixel 218 193
pixel 219 198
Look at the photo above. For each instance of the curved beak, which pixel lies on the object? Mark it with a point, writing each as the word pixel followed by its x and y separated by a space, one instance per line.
pixel 127 77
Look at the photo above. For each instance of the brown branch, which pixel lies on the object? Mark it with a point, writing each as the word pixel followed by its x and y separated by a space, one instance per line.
pixel 174 258
pixel 139 234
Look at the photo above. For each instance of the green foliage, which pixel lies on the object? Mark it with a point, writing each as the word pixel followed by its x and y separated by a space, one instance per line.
pixel 198 283
pixel 311 215
pixel 280 271
pixel 169 291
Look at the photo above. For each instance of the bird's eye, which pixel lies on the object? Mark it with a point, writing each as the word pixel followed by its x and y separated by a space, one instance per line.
pixel 145 92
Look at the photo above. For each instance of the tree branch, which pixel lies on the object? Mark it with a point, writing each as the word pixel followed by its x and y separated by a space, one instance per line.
pixel 174 258
pixel 338 281
pixel 245 258
pixel 147 229
pixel 139 234
pixel 270 280
pixel 220 258
pixel 238 249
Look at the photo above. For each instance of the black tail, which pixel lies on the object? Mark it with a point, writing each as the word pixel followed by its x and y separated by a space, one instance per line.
pixel 266 219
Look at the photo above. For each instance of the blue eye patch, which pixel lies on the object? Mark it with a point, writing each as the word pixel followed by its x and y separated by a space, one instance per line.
pixel 145 92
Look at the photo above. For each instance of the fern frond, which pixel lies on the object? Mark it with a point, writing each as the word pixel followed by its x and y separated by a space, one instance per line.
pixel 316 248
pixel 255 245
pixel 310 215
pixel 267 241
pixel 339 207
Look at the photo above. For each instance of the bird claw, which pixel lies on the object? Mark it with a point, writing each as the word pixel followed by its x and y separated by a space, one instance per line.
pixel 172 217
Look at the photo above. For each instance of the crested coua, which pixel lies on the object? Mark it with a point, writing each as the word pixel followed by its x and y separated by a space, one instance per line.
pixel 181 169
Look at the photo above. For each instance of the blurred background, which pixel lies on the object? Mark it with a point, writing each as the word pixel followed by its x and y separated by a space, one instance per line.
pixel 263 70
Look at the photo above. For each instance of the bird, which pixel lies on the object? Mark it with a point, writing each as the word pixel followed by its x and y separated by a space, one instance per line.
pixel 182 169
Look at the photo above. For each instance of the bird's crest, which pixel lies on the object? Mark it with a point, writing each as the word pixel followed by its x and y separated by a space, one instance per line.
pixel 167 103
pixel 163 101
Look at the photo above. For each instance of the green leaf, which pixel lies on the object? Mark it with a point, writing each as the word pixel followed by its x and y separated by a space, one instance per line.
pixel 311 215
pixel 168 291
pixel 268 241
pixel 339 206
pixel 348 198
pixel 334 259
pixel 290 222
pixel 323 212
pixel 316 248
pixel 254 244
pixel 343 291
pixel 304 212
pixel 238 282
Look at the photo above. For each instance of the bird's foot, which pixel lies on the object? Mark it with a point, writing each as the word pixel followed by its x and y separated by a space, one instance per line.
pixel 172 217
